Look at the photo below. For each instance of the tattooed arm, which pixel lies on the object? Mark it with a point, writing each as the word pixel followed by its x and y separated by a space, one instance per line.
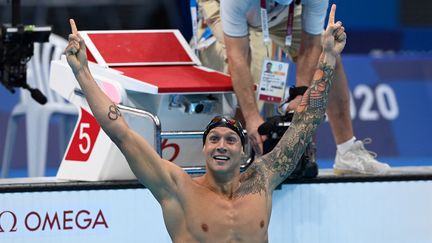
pixel 277 165
pixel 155 173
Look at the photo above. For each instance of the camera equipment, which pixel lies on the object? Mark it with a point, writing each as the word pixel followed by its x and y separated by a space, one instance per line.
pixel 199 104
pixel 194 103
pixel 16 49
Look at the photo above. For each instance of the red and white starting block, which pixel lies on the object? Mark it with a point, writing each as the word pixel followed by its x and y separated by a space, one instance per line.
pixel 153 71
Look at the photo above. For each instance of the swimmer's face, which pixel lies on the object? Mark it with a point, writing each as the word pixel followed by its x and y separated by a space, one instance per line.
pixel 223 150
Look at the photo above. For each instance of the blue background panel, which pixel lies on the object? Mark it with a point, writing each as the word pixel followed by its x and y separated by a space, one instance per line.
pixel 403 136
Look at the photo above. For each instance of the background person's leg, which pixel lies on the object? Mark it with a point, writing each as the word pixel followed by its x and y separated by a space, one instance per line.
pixel 338 109
pixel 351 155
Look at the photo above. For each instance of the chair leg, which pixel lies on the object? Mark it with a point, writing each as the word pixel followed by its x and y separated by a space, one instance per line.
pixel 62 134
pixel 66 127
pixel 41 159
pixel 9 145
pixel 43 147
pixel 34 142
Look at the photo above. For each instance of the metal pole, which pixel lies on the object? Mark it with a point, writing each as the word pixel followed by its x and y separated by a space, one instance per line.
pixel 182 134
pixel 16 14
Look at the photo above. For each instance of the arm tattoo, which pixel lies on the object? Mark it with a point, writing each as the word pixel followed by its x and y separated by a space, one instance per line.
pixel 309 114
pixel 113 112
pixel 252 181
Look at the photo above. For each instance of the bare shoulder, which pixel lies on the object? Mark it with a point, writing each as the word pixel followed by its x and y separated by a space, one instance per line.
pixel 178 174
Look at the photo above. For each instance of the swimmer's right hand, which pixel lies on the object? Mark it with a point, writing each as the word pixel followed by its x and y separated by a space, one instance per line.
pixel 76 51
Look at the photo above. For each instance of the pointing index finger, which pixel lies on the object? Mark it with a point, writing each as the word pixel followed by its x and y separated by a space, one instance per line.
pixel 73 26
pixel 331 19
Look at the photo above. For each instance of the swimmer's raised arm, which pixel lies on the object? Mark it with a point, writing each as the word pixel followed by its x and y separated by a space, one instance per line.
pixel 278 164
pixel 154 172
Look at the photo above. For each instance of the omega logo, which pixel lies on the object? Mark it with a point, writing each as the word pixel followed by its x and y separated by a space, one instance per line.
pixel 63 220
pixel 8 214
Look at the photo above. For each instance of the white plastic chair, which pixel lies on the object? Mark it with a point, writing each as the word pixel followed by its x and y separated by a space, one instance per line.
pixel 38 116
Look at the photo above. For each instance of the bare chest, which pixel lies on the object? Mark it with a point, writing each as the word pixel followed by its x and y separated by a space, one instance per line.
pixel 241 219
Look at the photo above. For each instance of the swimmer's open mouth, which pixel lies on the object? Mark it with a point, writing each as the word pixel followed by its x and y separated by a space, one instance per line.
pixel 221 157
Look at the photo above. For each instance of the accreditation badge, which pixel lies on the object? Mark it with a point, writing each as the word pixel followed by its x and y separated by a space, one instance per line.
pixel 273 81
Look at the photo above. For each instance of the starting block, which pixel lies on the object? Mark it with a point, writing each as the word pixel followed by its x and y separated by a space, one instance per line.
pixel 143 70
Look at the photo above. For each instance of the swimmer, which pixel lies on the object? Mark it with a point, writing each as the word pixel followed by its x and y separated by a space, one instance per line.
pixel 224 204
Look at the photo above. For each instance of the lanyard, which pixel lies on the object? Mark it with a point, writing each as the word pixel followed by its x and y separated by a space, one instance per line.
pixel 265 28
pixel 194 16
pixel 264 23
pixel 289 33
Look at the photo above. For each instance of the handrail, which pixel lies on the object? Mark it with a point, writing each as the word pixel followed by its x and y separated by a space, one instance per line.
pixel 156 123
pixel 182 134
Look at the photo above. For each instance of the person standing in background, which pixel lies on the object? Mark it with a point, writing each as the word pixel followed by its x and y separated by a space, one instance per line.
pixel 295 26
